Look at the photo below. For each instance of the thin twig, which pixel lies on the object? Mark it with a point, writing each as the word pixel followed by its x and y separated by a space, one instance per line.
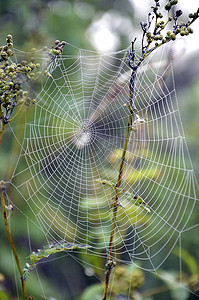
pixel 5 216
pixel 111 264
pixel 2 132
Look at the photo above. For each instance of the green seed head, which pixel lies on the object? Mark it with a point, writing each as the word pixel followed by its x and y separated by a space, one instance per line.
pixel 173 36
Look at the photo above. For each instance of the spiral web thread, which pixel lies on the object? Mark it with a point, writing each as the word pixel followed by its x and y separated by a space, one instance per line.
pixel 75 137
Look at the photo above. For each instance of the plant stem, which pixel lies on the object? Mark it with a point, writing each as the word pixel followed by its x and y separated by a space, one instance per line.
pixel 111 264
pixel 5 215
pixel 2 131
pixel 116 204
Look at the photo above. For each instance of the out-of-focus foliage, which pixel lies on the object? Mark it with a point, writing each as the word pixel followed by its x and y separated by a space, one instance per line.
pixel 35 23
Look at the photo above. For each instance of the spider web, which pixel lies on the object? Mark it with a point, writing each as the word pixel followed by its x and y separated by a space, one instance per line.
pixel 74 139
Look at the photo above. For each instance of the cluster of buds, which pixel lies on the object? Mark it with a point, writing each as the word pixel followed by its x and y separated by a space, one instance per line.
pixel 57 49
pixel 6 50
pixel 171 3
pixel 157 35
pixel 12 78
pixel 195 15
pixel 16 77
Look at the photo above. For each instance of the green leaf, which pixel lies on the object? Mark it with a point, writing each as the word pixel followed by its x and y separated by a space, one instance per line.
pixel 3 295
pixel 134 199
pixel 93 292
pixel 188 260
pixel 50 249
pixel 178 290
pixel 137 200
pixel 106 182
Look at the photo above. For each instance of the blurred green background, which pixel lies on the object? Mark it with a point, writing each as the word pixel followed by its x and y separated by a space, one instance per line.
pixel 98 25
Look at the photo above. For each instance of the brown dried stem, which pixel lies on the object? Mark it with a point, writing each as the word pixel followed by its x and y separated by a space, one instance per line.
pixel 5 216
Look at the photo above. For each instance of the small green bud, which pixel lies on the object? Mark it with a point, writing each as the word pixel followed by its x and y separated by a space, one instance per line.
pixel 32 66
pixel 159 15
pixel 174 2
pixel 169 33
pixel 9 38
pixel 189 29
pixel 56 52
pixel 47 74
pixel 28 69
pixel 173 36
pixel 182 32
pixel 11 84
pixel 9 52
pixel 148 35
pixel 5 48
pixel 167 7
pixel 4 55
pixel 10 45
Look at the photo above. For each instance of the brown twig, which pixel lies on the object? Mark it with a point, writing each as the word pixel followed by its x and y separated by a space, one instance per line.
pixel 2 132
pixel 5 216
pixel 111 264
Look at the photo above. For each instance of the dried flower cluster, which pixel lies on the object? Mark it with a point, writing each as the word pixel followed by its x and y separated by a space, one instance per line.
pixel 13 77
pixel 153 38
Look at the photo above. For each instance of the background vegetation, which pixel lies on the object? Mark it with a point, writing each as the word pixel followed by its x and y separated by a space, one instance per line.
pixel 33 24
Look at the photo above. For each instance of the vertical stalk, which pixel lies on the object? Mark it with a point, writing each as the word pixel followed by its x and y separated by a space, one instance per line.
pixel 2 131
pixel 111 264
pixel 5 215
